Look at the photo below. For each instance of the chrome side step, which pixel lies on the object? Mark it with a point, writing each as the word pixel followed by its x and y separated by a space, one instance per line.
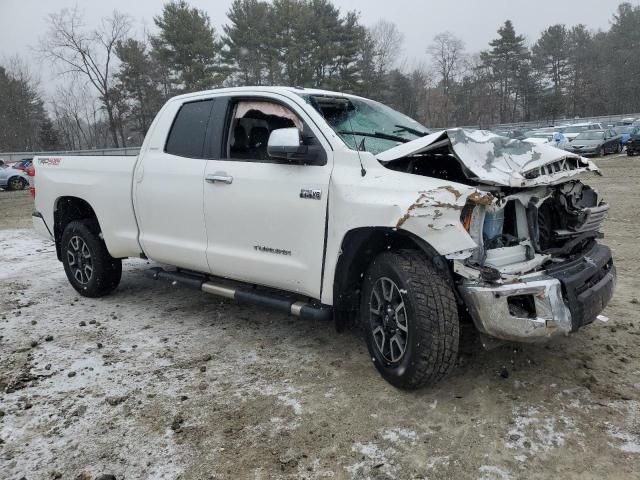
pixel 244 296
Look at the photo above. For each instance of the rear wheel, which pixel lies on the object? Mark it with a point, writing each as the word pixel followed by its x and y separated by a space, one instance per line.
pixel 410 318
pixel 17 183
pixel 89 267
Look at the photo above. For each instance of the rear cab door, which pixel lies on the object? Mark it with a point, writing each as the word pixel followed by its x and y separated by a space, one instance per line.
pixel 266 218
pixel 169 182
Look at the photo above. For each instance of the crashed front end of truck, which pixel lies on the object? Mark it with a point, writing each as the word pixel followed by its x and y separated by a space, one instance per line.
pixel 536 269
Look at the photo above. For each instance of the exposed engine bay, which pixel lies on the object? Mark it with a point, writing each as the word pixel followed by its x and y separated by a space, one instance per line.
pixel 529 223
pixel 524 230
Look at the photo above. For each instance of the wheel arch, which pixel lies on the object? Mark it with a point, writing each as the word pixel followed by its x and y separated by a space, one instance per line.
pixel 67 209
pixel 17 175
pixel 358 249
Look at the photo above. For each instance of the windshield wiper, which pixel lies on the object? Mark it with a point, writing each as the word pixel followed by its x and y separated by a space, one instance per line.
pixel 402 128
pixel 385 136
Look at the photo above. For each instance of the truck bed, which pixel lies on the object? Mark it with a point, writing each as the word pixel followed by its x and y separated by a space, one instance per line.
pixel 105 182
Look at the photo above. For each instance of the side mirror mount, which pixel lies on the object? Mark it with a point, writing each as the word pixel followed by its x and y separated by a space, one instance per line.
pixel 286 144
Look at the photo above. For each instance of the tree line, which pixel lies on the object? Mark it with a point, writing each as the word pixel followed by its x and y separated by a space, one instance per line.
pixel 116 81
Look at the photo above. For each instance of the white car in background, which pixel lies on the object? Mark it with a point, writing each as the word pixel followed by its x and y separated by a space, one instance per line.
pixel 12 178
pixel 548 136
pixel 572 131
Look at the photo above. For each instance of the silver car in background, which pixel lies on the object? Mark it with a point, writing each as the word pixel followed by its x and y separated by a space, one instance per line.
pixel 12 178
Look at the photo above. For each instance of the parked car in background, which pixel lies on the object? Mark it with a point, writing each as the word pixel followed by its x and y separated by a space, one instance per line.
pixel 12 178
pixel 23 164
pixel 511 133
pixel 626 131
pixel 557 139
pixel 596 142
pixel 572 131
pixel 633 146
pixel 628 121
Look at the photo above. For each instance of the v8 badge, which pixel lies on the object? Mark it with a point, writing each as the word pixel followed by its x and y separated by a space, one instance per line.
pixel 311 194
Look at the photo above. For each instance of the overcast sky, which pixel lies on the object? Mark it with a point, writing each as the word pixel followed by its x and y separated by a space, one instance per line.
pixel 474 21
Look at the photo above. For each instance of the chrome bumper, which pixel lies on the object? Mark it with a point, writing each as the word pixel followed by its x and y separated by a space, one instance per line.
pixel 560 300
pixel 492 315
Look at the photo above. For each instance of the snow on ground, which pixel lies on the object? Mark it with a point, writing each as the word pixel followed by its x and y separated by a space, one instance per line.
pixel 157 381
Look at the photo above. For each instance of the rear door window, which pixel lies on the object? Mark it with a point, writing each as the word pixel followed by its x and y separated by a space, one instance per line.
pixel 187 135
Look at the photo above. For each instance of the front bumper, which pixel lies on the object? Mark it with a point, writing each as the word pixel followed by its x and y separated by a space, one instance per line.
pixel 560 300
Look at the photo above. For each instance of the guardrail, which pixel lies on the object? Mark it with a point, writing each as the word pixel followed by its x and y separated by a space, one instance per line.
pixel 604 119
pixel 10 157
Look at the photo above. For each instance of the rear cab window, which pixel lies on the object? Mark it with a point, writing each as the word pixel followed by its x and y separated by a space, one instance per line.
pixel 189 130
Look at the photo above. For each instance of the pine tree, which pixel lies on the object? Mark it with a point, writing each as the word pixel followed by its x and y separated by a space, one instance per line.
pixel 551 56
pixel 137 82
pixel 48 136
pixel 507 53
pixel 246 52
pixel 186 47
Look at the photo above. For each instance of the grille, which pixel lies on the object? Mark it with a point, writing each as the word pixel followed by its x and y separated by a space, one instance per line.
pixel 563 165
pixel 594 217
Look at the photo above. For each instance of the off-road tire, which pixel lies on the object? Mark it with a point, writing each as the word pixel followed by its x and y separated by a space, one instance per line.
pixel 431 319
pixel 106 270
pixel 17 183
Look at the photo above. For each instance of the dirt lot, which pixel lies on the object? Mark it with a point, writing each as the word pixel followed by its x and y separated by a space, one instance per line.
pixel 161 382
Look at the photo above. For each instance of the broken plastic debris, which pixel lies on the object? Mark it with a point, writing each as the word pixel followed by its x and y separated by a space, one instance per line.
pixel 602 318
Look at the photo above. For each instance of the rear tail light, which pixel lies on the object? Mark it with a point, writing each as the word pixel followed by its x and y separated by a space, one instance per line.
pixel 31 171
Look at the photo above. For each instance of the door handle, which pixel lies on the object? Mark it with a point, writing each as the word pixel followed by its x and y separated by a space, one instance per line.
pixel 219 178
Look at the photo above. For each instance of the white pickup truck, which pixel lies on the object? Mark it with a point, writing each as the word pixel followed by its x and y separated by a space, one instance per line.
pixel 326 205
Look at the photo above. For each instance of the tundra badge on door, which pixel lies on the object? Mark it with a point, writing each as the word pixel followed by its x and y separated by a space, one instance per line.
pixel 312 194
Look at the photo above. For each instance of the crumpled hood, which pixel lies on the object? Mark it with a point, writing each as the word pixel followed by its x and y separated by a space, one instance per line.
pixel 495 160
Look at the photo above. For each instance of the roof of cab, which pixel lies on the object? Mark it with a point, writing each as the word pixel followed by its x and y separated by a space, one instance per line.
pixel 275 89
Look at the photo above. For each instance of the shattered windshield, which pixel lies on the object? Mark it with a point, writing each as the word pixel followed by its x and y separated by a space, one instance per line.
pixel 364 124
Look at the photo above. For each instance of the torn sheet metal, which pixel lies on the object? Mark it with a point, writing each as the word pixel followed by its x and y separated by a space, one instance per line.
pixel 496 160
pixel 441 205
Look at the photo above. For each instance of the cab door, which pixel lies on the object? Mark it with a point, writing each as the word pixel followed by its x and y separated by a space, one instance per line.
pixel 266 218
pixel 168 186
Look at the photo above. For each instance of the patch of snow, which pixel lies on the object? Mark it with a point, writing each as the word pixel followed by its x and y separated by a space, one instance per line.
pixel 491 472
pixel 538 431
pixel 395 434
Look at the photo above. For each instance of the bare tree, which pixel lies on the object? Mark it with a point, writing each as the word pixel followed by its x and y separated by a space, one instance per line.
pixel 77 115
pixel 87 53
pixel 447 54
pixel 388 44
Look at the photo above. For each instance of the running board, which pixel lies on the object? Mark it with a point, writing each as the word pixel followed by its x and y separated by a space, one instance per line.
pixel 243 296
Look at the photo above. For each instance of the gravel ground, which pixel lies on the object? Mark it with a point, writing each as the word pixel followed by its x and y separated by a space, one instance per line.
pixel 157 381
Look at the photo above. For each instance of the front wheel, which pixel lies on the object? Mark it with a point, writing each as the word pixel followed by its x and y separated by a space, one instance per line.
pixel 87 263
pixel 410 318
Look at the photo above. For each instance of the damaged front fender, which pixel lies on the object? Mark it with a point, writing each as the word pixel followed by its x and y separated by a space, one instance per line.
pixel 437 212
